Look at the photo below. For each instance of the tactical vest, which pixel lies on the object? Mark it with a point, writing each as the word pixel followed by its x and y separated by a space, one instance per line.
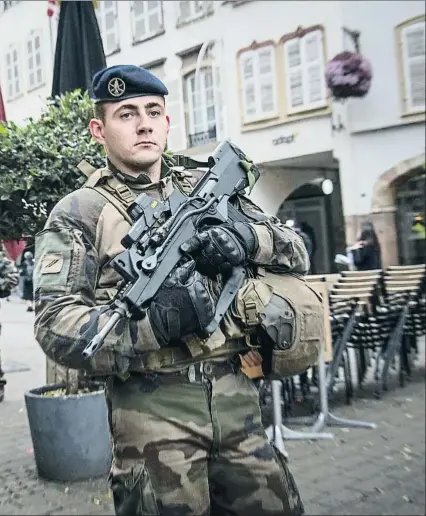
pixel 250 306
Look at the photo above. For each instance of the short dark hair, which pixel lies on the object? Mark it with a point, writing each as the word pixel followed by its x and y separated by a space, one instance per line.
pixel 99 111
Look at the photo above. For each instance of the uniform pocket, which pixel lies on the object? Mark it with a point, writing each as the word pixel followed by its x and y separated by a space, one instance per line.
pixel 292 501
pixel 133 493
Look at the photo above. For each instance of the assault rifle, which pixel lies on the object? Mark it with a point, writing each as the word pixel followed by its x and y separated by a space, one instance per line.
pixel 152 245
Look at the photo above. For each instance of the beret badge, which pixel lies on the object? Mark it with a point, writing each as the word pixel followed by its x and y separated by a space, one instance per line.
pixel 116 87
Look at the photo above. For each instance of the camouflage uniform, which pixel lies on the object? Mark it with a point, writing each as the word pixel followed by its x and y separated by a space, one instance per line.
pixel 187 431
pixel 8 280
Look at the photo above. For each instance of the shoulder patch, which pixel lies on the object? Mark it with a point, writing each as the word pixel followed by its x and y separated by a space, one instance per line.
pixel 52 263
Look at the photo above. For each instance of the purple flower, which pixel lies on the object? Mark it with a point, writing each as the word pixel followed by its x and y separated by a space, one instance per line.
pixel 348 74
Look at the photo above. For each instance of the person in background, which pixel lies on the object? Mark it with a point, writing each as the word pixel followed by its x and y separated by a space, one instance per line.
pixel 366 251
pixel 8 280
pixel 26 271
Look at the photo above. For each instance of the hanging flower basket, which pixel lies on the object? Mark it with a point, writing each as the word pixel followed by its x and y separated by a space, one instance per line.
pixel 348 74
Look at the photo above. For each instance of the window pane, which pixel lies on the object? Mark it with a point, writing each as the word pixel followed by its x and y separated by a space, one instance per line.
pixel 37 42
pixel 111 45
pixel 416 42
pixel 417 81
pixel 296 90
pixel 30 46
pixel 185 10
pixel 154 23
pixel 265 64
pixel 30 62
pixel 140 27
pixel 109 21
pixel 211 114
pixel 312 48
pixel 138 8
pixel 39 76
pixel 314 84
pixel 38 59
pixel 293 53
pixel 266 95
pixel 248 68
pixel 32 79
pixel 152 5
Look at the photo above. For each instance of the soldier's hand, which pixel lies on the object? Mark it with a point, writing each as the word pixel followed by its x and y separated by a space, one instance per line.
pixel 219 248
pixel 182 306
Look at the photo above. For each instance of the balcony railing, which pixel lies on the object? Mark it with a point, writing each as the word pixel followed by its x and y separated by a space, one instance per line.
pixel 197 139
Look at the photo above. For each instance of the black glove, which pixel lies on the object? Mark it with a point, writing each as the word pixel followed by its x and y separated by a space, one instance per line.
pixel 183 305
pixel 220 248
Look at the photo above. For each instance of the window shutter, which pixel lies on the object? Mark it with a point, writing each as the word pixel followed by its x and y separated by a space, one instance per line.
pixel 304 67
pixel 314 69
pixel 247 65
pixel 414 66
pixel 177 136
pixel 220 117
pixel 294 75
pixel 108 25
pixel 266 71
pixel 184 10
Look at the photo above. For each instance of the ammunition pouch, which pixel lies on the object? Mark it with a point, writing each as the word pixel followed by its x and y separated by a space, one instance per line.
pixel 285 315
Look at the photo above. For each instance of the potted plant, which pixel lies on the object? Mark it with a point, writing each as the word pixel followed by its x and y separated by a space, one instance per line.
pixel 67 419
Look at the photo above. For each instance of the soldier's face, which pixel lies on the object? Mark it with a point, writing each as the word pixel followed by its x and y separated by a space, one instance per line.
pixel 134 131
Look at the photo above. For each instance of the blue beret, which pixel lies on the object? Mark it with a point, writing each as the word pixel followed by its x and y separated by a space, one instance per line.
pixel 125 82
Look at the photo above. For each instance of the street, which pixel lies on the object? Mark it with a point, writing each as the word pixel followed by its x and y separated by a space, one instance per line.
pixel 379 471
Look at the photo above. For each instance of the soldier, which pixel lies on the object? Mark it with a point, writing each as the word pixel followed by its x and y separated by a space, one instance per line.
pixel 8 280
pixel 185 420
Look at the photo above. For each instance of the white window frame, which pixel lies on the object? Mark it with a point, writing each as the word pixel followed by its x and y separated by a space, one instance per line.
pixel 306 105
pixel 15 69
pixel 197 8
pixel 145 15
pixel 257 81
pixel 406 61
pixel 203 103
pixel 37 83
pixel 101 12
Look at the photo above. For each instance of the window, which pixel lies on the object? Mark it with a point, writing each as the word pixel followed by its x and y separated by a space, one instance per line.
pixel 106 13
pixel 413 64
pixel 304 72
pixel 13 79
pixel 193 9
pixel 257 68
pixel 201 106
pixel 34 61
pixel 147 19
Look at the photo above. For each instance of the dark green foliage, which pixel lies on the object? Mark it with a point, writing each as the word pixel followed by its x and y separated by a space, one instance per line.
pixel 38 163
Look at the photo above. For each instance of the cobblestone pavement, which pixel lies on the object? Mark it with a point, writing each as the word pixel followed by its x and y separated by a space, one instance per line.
pixel 361 471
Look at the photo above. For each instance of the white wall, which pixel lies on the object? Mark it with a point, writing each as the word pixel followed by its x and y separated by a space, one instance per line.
pixel 376 20
pixel 376 137
pixel 15 23
pixel 373 154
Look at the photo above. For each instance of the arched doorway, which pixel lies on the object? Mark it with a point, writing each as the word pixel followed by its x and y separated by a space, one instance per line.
pixel 410 219
pixel 398 197
pixel 320 216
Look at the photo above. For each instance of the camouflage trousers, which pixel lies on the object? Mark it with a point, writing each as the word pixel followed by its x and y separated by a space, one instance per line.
pixel 192 443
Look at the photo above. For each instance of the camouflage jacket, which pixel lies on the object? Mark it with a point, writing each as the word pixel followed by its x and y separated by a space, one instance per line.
pixel 74 282
pixel 8 276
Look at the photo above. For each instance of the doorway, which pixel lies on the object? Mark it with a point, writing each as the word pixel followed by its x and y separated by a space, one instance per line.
pixel 410 220
pixel 310 214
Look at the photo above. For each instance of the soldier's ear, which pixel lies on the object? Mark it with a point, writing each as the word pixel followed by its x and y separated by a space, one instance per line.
pixel 96 128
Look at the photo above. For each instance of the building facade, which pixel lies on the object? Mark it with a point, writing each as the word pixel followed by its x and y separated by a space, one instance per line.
pixel 261 83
